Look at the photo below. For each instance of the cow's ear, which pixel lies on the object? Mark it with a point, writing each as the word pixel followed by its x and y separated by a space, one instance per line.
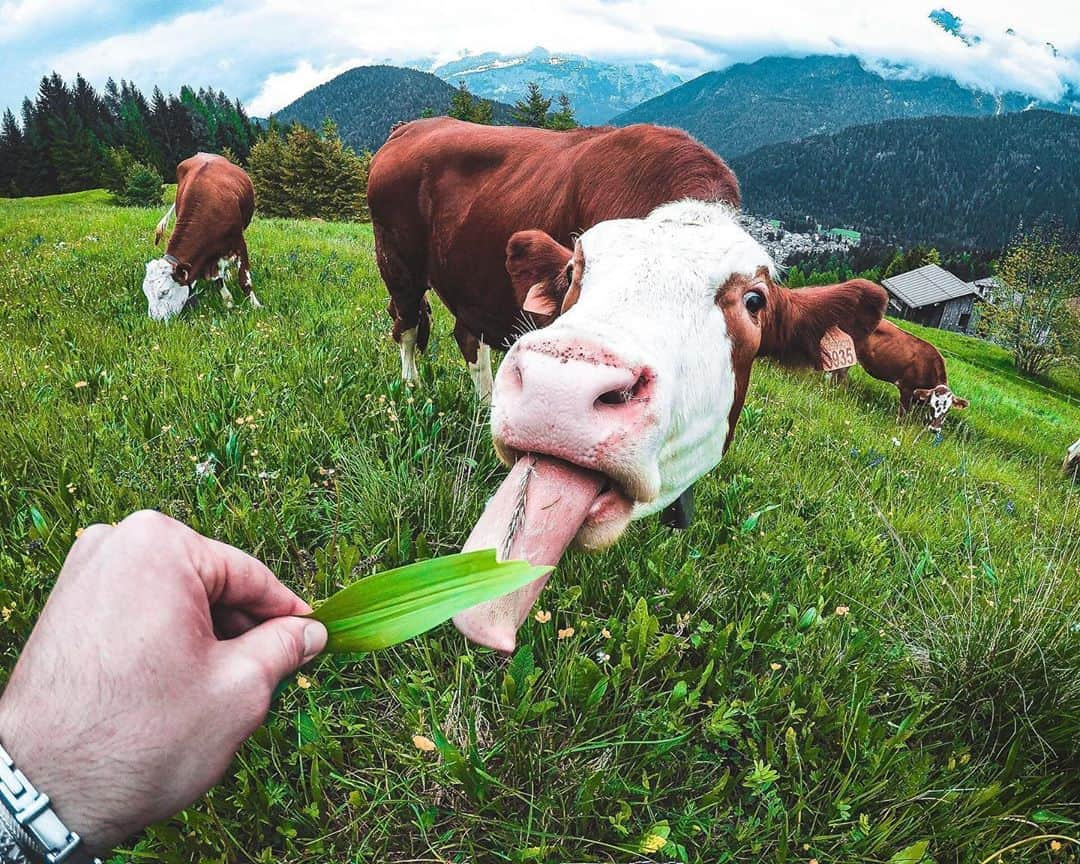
pixel 799 319
pixel 181 273
pixel 960 403
pixel 538 267
pixel 922 393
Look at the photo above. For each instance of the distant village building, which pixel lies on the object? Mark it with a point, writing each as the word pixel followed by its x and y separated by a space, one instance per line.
pixel 846 235
pixel 933 297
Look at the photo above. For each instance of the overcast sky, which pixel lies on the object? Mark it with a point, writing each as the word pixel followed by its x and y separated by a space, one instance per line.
pixel 268 53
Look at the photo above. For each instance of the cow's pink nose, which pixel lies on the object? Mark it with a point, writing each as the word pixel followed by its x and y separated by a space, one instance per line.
pixel 569 401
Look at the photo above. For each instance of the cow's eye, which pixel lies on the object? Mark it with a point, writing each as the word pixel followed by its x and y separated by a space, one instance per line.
pixel 754 301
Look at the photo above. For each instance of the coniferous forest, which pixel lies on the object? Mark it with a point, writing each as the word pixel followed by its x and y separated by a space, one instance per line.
pixel 71 137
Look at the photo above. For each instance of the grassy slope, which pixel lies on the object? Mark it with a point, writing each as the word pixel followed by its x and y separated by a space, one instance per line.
pixel 943 707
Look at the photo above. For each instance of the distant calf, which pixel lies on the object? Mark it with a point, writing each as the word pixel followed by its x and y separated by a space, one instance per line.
pixel 214 204
pixel 1071 465
pixel 914 365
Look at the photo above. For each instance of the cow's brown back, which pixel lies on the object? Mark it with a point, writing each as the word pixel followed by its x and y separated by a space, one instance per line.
pixel 896 356
pixel 445 196
pixel 214 204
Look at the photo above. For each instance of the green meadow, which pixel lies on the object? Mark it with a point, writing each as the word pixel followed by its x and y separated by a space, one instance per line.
pixel 865 649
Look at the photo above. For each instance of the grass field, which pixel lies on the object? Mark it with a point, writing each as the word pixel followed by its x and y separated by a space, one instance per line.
pixel 715 703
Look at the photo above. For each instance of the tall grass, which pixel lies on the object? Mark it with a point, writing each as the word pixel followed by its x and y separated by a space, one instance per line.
pixel 867 640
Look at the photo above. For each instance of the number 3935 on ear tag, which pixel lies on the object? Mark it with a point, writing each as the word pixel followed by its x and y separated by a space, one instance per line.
pixel 837 350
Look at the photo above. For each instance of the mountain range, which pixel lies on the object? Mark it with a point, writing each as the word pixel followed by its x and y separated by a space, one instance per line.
pixel 597 90
pixel 367 101
pixel 967 182
pixel 784 98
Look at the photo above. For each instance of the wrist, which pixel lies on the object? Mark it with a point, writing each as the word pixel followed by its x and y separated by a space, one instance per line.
pixel 28 821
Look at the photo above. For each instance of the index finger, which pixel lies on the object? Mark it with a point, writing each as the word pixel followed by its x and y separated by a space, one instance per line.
pixel 239 581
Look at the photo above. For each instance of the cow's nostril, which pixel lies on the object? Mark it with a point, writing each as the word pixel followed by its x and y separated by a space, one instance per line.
pixel 623 395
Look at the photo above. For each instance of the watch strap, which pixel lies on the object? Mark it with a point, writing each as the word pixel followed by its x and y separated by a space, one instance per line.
pixel 31 812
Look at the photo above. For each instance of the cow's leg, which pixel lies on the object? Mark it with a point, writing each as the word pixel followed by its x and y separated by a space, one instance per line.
pixel 223 275
pixel 406 285
pixel 478 358
pixel 905 403
pixel 243 274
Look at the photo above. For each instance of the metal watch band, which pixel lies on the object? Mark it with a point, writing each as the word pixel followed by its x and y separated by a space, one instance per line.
pixel 32 812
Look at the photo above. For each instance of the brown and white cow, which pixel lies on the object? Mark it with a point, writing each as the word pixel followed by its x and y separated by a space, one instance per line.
pixel 445 196
pixel 633 392
pixel 214 204
pixel 914 365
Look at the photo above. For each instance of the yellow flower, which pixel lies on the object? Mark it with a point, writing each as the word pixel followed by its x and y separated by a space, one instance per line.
pixel 776 667
pixel 841 611
pixel 80 384
pixel 302 682
pixel 1055 846
pixel 542 617
pixel 653 843
pixel 6 614
pixel 79 532
pixel 605 633
pixel 422 742
pixel 567 633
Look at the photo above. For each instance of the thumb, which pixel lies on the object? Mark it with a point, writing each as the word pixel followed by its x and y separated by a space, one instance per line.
pixel 280 646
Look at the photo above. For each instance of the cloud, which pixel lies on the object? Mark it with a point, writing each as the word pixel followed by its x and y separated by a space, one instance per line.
pixel 281 88
pixel 267 53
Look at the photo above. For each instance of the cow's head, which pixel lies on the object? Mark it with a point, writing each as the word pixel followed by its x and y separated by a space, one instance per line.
pixel 938 401
pixel 167 287
pixel 643 373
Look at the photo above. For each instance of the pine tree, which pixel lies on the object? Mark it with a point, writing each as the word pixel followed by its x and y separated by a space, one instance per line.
pixel 563 119
pixel 533 109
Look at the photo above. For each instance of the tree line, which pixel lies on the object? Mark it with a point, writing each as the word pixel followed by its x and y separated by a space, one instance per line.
pixel 71 137
pixel 534 109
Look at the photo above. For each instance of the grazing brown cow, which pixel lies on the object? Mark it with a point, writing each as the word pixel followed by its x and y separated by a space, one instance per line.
pixel 632 393
pixel 446 196
pixel 914 365
pixel 214 204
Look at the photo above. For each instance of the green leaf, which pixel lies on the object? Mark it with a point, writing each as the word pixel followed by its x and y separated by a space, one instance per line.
pixel 913 854
pixel 390 607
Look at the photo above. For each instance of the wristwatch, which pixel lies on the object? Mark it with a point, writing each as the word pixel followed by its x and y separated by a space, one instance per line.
pixel 30 830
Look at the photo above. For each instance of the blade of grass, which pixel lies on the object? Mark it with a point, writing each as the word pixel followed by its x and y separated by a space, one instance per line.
pixel 390 607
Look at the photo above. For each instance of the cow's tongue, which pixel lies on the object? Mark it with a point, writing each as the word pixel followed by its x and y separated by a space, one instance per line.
pixel 534 515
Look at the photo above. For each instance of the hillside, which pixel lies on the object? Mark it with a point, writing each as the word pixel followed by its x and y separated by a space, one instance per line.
pixel 859 617
pixel 953 181
pixel 597 90
pixel 784 98
pixel 366 101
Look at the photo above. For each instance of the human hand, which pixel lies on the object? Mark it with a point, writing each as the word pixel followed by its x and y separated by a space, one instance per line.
pixel 155 657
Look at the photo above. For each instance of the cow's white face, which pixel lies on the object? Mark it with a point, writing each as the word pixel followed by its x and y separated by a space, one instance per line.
pixel 166 297
pixel 648 301
pixel 939 401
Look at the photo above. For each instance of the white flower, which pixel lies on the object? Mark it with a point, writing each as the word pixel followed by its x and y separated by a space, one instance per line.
pixel 205 469
pixel 896 442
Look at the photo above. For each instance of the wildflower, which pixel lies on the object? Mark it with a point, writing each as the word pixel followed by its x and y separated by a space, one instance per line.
pixel 602 656
pixel 72 488
pixel 605 633
pixel 79 532
pixel 895 441
pixel 80 384
pixel 776 667
pixel 302 682
pixel 205 469
pixel 1055 846
pixel 653 843
pixel 542 617
pixel 567 633
pixel 5 613
pixel 841 611
pixel 166 429
pixel 422 742
pixel 254 453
